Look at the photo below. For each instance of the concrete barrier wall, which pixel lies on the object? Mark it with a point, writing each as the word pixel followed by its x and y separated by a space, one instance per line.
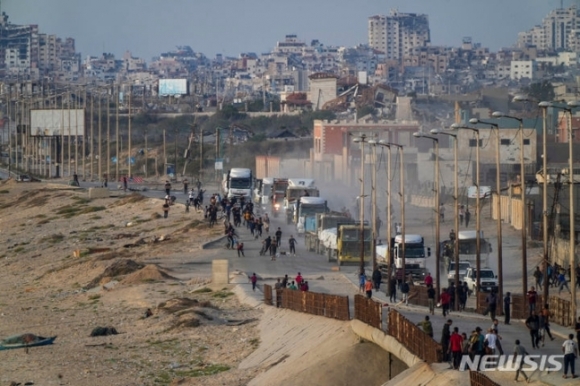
pixel 511 210
pixel 386 342
pixel 98 193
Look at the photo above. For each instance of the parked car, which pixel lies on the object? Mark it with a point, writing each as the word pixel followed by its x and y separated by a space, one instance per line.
pixel 463 266
pixel 487 277
pixel 26 178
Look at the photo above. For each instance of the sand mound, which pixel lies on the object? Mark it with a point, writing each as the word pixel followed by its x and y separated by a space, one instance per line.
pixel 148 273
pixel 179 304
pixel 118 268
pixel 130 199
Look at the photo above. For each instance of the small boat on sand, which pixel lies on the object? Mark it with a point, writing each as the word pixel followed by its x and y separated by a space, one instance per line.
pixel 25 341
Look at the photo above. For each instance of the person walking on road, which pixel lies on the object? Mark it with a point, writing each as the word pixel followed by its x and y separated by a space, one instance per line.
pixel 167 188
pixel 533 325
pixel 377 278
pixel 254 280
pixel 545 316
pixel 278 236
pixel 467 217
pixel 456 347
pixel 519 354
pixel 507 302
pixel 292 245
pixel 445 336
pixel 362 278
pixel 369 288
pixel 563 283
pixel 538 275
pixel 570 350
pixel 532 298
pixel 431 299
pixel 185 185
pixel 444 298
pixel 491 304
pixel 241 249
pixel 166 209
pixel 405 292
pixel 393 292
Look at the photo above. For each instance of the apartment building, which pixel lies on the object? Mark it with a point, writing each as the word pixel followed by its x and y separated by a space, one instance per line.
pixel 397 34
pixel 558 31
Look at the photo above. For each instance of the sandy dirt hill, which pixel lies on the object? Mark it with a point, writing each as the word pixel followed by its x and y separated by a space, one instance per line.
pixel 69 265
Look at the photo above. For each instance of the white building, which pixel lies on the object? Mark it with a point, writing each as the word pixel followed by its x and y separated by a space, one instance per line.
pixel 522 69
pixel 395 35
pixel 557 31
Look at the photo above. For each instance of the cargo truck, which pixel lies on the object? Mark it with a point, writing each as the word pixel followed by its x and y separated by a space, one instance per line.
pixel 238 182
pixel 343 243
pixel 297 187
pixel 415 255
pixel 279 187
pixel 305 212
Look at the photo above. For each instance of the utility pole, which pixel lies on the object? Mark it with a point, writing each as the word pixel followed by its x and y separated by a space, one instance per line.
pixel 117 135
pixel 92 148
pixel 129 139
pixel 108 133
pixel 99 145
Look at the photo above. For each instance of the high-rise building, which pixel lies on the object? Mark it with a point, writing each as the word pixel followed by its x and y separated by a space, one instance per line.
pixel 397 34
pixel 558 31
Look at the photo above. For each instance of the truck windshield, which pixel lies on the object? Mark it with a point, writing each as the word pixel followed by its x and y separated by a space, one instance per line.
pixel 354 234
pixel 310 210
pixel 469 247
pixel 462 266
pixel 484 275
pixel 293 194
pixel 240 183
pixel 414 251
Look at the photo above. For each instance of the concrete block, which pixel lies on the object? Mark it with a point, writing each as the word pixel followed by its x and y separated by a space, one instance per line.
pixel 220 272
pixel 98 193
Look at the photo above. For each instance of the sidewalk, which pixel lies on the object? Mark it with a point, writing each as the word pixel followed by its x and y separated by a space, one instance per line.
pixel 467 322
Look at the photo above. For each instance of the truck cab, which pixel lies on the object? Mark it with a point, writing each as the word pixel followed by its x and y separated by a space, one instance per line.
pixel 415 255
pixel 464 265
pixel 297 187
pixel 305 213
pixel 348 246
pixel 239 183
pixel 487 277
pixel 278 191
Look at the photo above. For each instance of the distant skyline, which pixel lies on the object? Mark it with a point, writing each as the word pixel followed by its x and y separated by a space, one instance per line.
pixel 230 27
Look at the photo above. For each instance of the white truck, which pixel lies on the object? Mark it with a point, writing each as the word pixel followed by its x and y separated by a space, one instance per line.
pixel 487 278
pixel 263 191
pixel 467 248
pixel 297 187
pixel 238 182
pixel 415 255
pixel 305 210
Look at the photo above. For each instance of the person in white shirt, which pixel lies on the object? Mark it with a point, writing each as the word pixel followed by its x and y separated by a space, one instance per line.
pixel 570 350
pixel 491 340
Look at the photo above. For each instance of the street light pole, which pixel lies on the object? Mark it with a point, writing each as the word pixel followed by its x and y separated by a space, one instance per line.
pixel 388 211
pixel 495 127
pixel 437 214
pixel 544 106
pixel 498 114
pixel 456 212
pixel 477 210
pixel 373 144
pixel 362 140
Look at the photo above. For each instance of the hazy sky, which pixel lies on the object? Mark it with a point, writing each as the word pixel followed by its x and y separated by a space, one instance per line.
pixel 149 27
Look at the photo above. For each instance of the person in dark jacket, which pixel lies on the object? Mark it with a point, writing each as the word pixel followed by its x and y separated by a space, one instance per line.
pixel 445 336
pixel 377 277
pixel 393 291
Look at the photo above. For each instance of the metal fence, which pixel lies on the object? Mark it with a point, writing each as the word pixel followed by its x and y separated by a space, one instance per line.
pixel 478 379
pixel 413 338
pixel 331 306
pixel 368 311
pixel 267 294
pixel 418 295
pixel 520 309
